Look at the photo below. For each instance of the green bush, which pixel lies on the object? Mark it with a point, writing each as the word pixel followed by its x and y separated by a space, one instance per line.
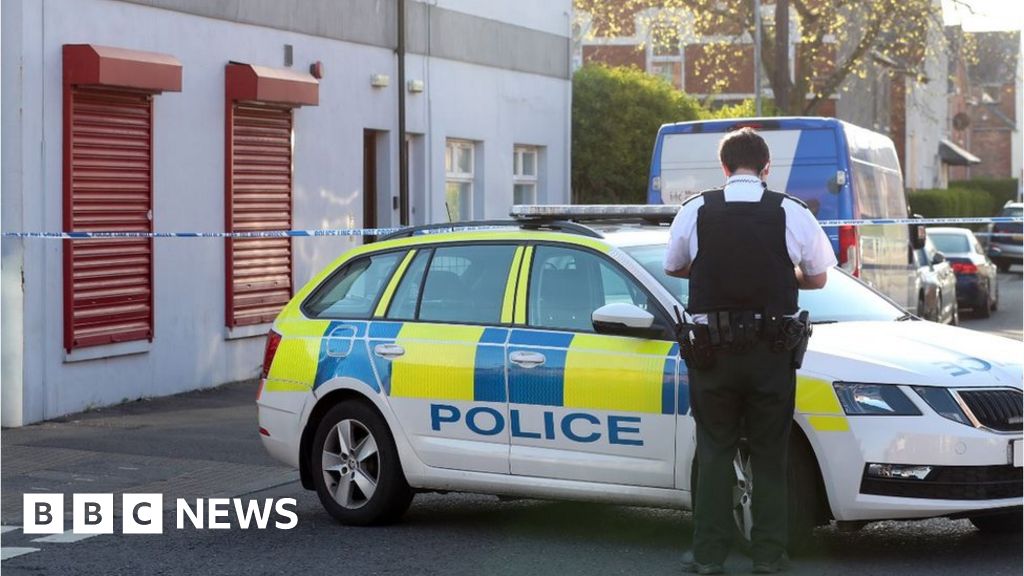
pixel 953 203
pixel 616 113
pixel 1002 190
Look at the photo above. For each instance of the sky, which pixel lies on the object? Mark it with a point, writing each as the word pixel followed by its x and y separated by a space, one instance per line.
pixel 988 14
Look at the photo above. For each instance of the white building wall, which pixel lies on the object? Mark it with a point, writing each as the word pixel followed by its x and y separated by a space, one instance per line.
pixel 927 114
pixel 190 348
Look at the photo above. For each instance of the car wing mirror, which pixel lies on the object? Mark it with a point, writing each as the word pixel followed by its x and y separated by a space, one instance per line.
pixel 621 319
pixel 938 258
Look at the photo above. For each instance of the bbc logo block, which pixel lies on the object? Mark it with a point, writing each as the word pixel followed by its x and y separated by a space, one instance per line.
pixel 143 513
pixel 93 514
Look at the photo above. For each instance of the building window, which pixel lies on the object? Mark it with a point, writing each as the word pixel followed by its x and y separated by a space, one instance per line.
pixel 524 175
pixel 108 187
pixel 665 55
pixel 258 189
pixel 259 270
pixel 458 168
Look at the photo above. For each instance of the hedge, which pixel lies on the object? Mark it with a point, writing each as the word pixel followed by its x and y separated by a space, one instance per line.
pixel 616 113
pixel 953 203
pixel 1002 190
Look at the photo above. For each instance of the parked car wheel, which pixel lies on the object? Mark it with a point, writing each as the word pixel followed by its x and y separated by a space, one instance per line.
pixel 984 307
pixel 804 495
pixel 355 465
pixel 999 523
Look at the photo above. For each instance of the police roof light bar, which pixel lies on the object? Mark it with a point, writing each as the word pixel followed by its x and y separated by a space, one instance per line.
pixel 583 212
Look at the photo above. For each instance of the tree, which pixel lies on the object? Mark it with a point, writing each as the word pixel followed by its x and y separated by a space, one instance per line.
pixel 836 38
pixel 616 113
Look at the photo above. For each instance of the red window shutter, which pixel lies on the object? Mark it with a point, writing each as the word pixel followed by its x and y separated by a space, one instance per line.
pixel 108 186
pixel 259 197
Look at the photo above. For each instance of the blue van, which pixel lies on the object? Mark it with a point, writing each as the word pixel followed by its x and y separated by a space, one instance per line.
pixel 840 170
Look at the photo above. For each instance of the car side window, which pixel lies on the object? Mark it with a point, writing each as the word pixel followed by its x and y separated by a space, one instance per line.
pixel 568 284
pixel 353 291
pixel 403 302
pixel 464 284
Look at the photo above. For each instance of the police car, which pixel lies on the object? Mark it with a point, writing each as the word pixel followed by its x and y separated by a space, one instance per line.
pixel 535 358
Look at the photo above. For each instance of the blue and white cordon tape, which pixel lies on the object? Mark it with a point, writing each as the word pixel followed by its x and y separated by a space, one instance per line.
pixel 457 227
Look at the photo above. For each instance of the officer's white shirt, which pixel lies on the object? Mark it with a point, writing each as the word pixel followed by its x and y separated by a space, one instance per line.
pixel 807 244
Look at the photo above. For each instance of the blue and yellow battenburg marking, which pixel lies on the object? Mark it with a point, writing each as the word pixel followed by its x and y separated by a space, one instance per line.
pixel 460 362
pixel 467 363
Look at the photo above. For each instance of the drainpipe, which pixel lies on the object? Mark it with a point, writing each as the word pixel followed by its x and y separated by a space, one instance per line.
pixel 403 148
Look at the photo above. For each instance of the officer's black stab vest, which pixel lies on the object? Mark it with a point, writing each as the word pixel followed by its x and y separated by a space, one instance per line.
pixel 742 263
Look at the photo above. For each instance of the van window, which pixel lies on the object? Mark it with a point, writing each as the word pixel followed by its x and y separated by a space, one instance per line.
pixel 466 284
pixel 803 162
pixel 353 291
pixel 879 191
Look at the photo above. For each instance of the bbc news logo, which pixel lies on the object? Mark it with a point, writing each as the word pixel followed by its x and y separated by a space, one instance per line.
pixel 143 513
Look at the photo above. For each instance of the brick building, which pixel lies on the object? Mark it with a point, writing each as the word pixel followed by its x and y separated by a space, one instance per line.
pixel 914 101
pixel 985 103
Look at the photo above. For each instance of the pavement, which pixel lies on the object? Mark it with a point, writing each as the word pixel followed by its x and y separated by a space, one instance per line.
pixel 198 444
pixel 205 444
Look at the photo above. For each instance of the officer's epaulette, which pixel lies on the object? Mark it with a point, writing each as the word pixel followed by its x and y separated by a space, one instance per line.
pixel 699 195
pixel 793 198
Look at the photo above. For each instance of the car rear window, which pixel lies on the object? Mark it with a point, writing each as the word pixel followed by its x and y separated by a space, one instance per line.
pixel 353 291
pixel 951 243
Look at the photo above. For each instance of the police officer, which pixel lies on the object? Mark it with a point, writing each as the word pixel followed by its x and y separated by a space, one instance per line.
pixel 746 250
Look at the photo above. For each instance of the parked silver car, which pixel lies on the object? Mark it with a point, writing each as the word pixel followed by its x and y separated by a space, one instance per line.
pixel 936 286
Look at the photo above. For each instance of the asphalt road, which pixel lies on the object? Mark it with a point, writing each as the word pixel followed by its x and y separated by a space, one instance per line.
pixel 457 533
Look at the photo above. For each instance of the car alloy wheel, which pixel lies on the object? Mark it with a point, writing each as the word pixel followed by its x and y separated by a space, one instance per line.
pixel 351 464
pixel 742 493
pixel 355 466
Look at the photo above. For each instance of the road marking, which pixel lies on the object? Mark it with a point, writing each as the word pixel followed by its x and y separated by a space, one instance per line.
pixel 65 538
pixel 6 529
pixel 8 553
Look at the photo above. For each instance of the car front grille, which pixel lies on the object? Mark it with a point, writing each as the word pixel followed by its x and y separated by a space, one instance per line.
pixel 952 483
pixel 998 410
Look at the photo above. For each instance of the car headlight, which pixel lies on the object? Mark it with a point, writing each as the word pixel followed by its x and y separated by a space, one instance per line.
pixel 941 400
pixel 874 400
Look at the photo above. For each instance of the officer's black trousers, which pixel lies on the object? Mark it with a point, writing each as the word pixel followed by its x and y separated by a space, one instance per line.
pixel 748 395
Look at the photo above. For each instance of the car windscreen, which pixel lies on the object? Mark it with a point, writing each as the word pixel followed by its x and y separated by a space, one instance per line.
pixel 950 243
pixel 843 299
pixel 1012 211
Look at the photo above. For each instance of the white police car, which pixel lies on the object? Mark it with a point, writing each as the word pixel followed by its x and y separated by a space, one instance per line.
pixel 537 359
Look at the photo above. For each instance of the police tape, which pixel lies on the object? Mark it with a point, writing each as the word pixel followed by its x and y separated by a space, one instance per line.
pixel 250 234
pixel 458 227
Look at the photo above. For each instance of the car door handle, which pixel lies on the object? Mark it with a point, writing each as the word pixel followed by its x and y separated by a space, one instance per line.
pixel 526 359
pixel 388 351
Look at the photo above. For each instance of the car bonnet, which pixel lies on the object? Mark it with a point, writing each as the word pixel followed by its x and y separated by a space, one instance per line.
pixel 914 352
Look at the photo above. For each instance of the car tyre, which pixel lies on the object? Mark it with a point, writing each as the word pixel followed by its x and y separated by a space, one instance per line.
pixel 984 308
pixel 999 523
pixel 1003 265
pixel 356 470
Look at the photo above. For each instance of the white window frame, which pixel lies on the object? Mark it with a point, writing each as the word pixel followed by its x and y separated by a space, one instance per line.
pixel 654 59
pixel 519 177
pixel 452 174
